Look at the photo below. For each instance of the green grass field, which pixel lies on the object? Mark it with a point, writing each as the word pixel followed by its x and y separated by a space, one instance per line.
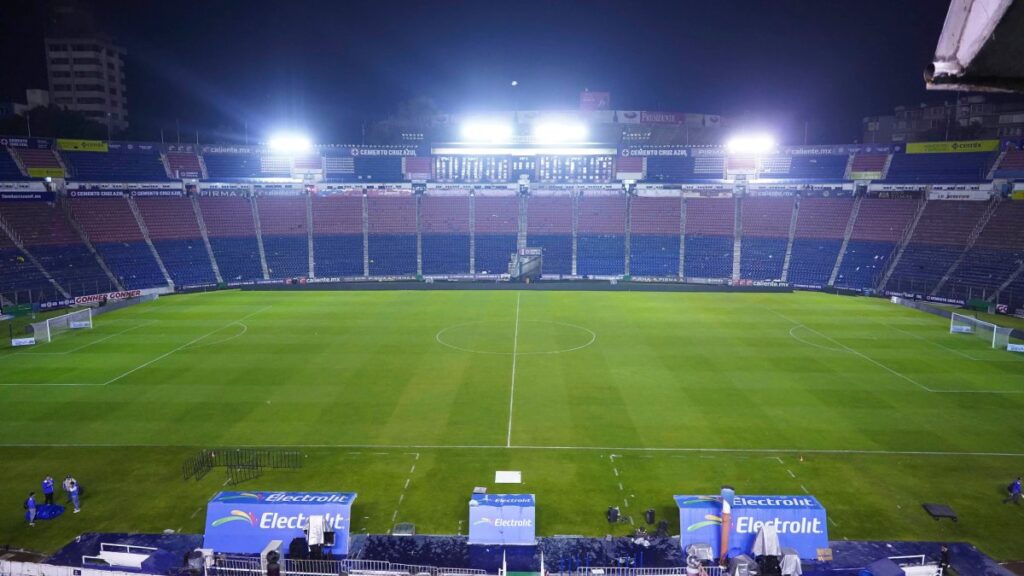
pixel 413 398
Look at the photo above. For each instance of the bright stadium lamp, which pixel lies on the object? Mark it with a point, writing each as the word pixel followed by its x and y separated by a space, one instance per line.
pixel 491 131
pixel 290 143
pixel 559 131
pixel 751 144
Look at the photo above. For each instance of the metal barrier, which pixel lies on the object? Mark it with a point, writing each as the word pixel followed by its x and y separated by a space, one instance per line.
pixel 627 571
pixel 241 463
pixel 251 566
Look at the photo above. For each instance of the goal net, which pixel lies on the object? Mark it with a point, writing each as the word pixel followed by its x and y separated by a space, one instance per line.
pixel 996 336
pixel 48 330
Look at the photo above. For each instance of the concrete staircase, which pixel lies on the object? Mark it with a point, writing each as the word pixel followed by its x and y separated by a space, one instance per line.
pixel 66 209
pixel 737 238
pixel 149 241
pixel 993 205
pixel 792 236
pixel 846 239
pixel 206 239
pixel 309 234
pixel 6 229
pixel 259 237
pixel 904 241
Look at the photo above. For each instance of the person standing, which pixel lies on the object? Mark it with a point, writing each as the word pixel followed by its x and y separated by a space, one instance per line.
pixel 30 505
pixel 73 492
pixel 1013 491
pixel 48 490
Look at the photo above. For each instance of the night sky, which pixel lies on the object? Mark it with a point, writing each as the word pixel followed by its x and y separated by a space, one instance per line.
pixel 329 66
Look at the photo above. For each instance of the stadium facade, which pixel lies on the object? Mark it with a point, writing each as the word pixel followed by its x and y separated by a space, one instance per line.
pixel 936 220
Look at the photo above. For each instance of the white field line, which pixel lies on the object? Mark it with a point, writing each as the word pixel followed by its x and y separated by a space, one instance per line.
pixel 823 451
pixel 864 356
pixel 84 346
pixel 932 342
pixel 512 391
pixel 145 364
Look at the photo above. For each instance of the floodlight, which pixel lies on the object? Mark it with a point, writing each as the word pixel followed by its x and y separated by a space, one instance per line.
pixel 290 143
pixel 751 144
pixel 492 131
pixel 559 131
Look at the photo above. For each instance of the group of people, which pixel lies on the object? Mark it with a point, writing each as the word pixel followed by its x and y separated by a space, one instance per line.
pixel 71 489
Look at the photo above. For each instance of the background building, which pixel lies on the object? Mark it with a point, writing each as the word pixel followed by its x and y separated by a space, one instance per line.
pixel 965 118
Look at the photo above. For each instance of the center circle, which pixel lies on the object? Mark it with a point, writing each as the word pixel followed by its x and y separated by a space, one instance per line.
pixel 530 337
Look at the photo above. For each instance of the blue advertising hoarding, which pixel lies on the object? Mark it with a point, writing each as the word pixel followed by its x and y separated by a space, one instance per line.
pixel 244 522
pixel 800 522
pixel 503 519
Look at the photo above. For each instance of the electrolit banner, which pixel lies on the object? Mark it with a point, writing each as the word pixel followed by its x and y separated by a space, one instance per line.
pixel 800 522
pixel 244 522
pixel 503 519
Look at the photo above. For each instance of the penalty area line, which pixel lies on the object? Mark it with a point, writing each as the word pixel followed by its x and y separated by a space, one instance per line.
pixel 512 391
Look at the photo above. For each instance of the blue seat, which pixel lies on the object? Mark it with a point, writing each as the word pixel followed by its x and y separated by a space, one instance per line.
pixel 494 252
pixel 132 263
pixel 921 267
pixel 445 253
pixel 600 254
pixel 654 255
pixel 115 166
pixel 74 268
pixel 238 258
pixel 864 264
pixel 338 255
pixel 811 261
pixel 186 261
pixel 762 258
pixel 557 252
pixel 287 256
pixel 393 254
pixel 708 256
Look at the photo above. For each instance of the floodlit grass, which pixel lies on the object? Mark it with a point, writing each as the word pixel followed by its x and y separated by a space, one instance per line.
pixel 871 407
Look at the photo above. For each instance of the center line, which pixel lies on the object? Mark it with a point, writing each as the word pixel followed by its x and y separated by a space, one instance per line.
pixel 512 392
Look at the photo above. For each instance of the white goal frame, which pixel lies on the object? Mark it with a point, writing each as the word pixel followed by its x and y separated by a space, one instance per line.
pixel 48 330
pixel 996 336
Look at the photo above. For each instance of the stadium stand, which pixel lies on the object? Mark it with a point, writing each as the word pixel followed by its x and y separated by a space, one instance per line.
pixel 338 235
pixel 19 275
pixel 285 235
pixel 175 234
pixel 996 253
pixel 391 223
pixel 710 224
pixel 868 163
pixel 881 223
pixel 601 235
pixel 116 165
pixel 111 227
pixel 939 168
pixel 47 234
pixel 224 166
pixel 9 170
pixel 654 236
pixel 184 165
pixel 765 225
pixel 496 226
pixel 549 226
pixel 444 226
pixel 1011 165
pixel 232 233
pixel 820 227
pixel 938 240
pixel 38 158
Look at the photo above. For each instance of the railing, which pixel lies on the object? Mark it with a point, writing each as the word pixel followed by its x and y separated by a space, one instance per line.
pixel 251 566
pixel 627 571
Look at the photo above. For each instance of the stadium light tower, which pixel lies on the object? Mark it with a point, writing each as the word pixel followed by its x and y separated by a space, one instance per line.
pixel 559 131
pixel 290 143
pixel 751 144
pixel 487 131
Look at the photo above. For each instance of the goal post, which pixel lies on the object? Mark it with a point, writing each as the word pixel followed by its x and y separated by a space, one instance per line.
pixel 47 330
pixel 996 336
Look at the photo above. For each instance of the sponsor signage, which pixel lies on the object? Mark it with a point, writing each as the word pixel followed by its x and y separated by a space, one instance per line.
pixel 107 296
pixel 46 172
pixel 95 193
pixel 662 117
pixel 595 100
pixel 865 175
pixel 800 521
pixel 27 197
pixel 82 145
pixel 23 342
pixel 503 519
pixel 25 142
pixel 953 146
pixel 1015 347
pixel 649 151
pixel 382 151
pixel 245 522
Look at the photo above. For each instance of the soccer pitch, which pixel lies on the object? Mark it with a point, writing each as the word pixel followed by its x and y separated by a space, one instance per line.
pixel 412 398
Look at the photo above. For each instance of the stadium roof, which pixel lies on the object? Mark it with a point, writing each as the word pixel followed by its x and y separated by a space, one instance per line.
pixel 980 47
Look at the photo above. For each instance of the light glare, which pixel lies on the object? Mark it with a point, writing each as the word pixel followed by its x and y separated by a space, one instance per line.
pixel 752 144
pixel 491 131
pixel 557 132
pixel 290 143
